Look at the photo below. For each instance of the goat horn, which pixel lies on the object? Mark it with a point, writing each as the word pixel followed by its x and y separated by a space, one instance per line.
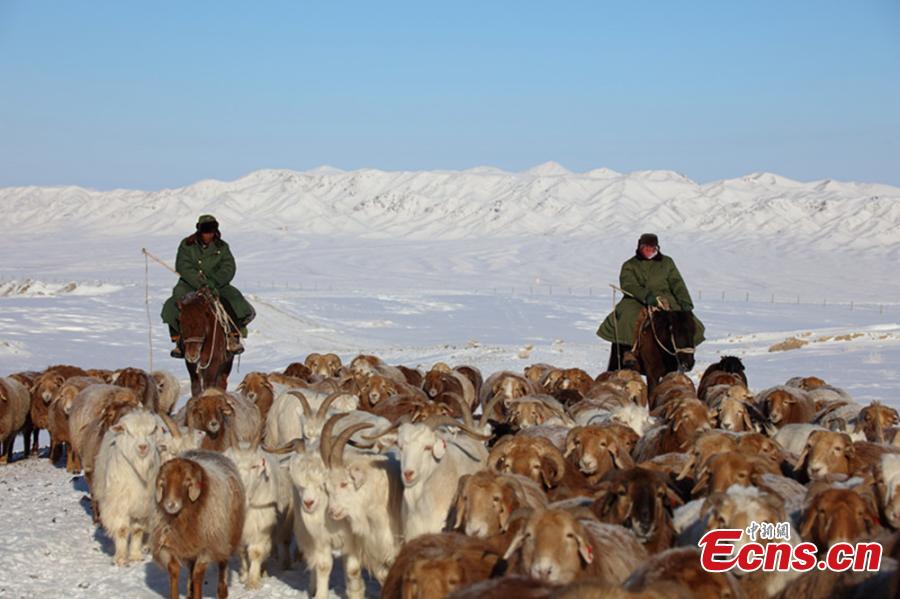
pixel 323 409
pixel 293 446
pixel 325 438
pixel 489 408
pixel 394 426
pixel 463 407
pixel 170 424
pixel 307 410
pixel 443 420
pixel 337 448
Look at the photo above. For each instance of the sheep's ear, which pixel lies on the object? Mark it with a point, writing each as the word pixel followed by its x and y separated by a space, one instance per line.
pixel 620 457
pixel 459 506
pixel 117 428
pixel 748 423
pixel 688 466
pixel 549 474
pixel 807 524
pixel 159 493
pixel 438 449
pixel 264 467
pixel 357 476
pixel 228 409
pixel 194 490
pixel 702 481
pixel 584 548
pixel 516 542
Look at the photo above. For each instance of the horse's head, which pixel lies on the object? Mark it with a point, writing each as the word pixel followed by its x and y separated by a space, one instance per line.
pixel 679 332
pixel 196 324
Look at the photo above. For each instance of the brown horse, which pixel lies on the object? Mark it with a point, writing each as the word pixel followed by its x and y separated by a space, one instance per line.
pixel 665 344
pixel 206 356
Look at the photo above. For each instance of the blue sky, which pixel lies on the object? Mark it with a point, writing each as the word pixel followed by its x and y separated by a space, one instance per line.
pixel 161 94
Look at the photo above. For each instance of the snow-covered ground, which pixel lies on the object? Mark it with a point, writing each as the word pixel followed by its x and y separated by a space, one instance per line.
pixel 479 267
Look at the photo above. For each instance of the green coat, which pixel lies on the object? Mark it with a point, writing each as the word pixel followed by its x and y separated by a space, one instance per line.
pixel 646 280
pixel 211 266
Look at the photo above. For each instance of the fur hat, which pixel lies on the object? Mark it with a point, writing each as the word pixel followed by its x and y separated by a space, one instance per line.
pixel 207 223
pixel 649 239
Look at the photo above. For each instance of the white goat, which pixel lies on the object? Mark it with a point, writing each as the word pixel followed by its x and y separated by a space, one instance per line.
pixel 301 414
pixel 269 511
pixel 124 477
pixel 432 462
pixel 365 489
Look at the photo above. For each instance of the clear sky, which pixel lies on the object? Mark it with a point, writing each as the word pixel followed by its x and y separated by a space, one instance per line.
pixel 161 94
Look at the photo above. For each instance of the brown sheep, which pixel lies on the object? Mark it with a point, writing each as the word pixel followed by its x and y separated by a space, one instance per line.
pixel 143 385
pixel 536 372
pixel 257 388
pixel 199 518
pixel 225 419
pixel 538 459
pixel 641 500
pixel 377 388
pixel 432 565
pixel 829 453
pixel 566 378
pixel 505 386
pixel 681 568
pixel 786 405
pixel 874 419
pixel 683 420
pixel 731 468
pixel 597 449
pixel 15 404
pixel 835 515
pixel 704 446
pixel 438 384
pixel 475 377
pixel 299 370
pixel 485 501
pixel 42 393
pixel 560 546
pixel 672 386
pixel 520 587
pixel 58 419
pixel 327 365
pixel 727 365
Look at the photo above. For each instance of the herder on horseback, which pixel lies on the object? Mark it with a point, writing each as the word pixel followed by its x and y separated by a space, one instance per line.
pixel 649 279
pixel 205 260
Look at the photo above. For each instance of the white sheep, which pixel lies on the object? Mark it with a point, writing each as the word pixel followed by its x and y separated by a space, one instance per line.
pixel 123 483
pixel 268 514
pixel 889 487
pixel 168 388
pixel 301 414
pixel 636 417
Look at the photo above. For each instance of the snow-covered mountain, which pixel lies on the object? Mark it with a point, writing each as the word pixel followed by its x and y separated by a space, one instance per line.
pixel 544 201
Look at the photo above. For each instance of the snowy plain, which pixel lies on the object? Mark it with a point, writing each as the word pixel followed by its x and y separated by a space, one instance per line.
pixel 479 267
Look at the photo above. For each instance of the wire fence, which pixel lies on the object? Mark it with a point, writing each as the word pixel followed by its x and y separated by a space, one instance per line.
pixel 600 291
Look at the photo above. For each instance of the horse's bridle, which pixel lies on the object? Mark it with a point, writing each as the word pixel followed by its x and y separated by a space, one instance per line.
pixel 677 350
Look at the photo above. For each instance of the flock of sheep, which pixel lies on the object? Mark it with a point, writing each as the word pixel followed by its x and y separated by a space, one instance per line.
pixel 564 485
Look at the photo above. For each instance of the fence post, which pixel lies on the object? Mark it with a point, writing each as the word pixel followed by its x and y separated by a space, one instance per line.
pixel 570 291
pixel 881 308
pixel 851 305
pixel 798 299
pixel 723 296
pixel 590 292
pixel 747 299
pixel 699 295
pixel 773 299
pixel 551 289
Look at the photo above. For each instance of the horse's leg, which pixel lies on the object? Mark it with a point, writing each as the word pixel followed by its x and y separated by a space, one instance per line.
pixel 195 378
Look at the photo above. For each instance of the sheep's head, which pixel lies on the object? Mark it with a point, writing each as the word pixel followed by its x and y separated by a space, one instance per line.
pixel 524 413
pixel 705 446
pixel 534 457
pixel 421 448
pixel 874 419
pixel 687 417
pixel 209 412
pixel 308 473
pixel 435 382
pixel 135 379
pixel 433 578
pixel 825 453
pixel 637 498
pixel 554 546
pixel 344 479
pixel 179 483
pixel 484 502
pixel 378 388
pixel 120 402
pixel 595 450
pixel 740 506
pixel 888 482
pixel 257 388
pixel 46 386
pixel 723 470
pixel 252 466
pixel 836 515
pixel 757 444
pixel 733 415
pixel 778 405
pixel 136 435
